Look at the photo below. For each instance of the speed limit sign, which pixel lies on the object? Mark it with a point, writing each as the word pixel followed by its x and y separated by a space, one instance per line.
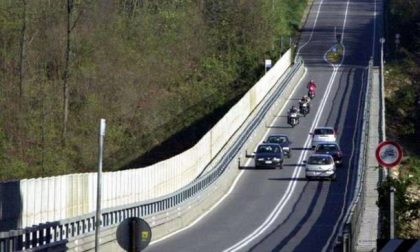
pixel 389 154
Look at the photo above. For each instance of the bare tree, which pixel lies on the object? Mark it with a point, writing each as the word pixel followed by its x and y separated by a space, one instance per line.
pixel 22 49
pixel 66 72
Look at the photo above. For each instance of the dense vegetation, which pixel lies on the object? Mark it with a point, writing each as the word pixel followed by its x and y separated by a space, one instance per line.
pixel 151 68
pixel 402 86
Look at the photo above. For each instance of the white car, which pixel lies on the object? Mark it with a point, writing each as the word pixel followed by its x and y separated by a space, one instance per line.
pixel 322 135
pixel 320 166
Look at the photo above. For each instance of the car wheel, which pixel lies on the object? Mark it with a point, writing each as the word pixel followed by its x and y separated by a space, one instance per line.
pixel 281 166
pixel 289 155
pixel 333 177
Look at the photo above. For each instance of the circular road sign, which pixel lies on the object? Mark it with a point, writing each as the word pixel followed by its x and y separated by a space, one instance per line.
pixel 389 154
pixel 134 234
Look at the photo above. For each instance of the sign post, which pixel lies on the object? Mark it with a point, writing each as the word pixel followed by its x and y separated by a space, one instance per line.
pixel 389 155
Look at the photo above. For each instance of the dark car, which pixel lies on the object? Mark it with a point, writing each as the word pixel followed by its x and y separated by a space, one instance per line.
pixel 269 155
pixel 330 148
pixel 284 142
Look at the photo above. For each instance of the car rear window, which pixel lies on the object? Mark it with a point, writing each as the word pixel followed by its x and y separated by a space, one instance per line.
pixel 327 147
pixel 316 160
pixel 268 149
pixel 277 139
pixel 324 132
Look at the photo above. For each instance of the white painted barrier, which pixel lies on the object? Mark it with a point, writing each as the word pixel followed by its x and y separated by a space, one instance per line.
pixel 51 199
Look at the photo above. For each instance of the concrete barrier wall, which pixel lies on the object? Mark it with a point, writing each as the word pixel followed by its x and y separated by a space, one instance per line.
pixel 50 199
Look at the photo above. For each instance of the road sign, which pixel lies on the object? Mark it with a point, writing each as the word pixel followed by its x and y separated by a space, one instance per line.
pixel 134 234
pixel 268 63
pixel 389 154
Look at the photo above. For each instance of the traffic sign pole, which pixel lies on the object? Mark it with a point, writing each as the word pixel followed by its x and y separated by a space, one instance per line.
pixel 389 155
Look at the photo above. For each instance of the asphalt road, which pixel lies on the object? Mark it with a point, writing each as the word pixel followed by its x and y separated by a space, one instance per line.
pixel 278 210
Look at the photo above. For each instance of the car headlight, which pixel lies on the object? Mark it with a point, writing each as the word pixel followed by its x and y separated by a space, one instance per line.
pixel 286 148
pixel 276 159
pixel 260 159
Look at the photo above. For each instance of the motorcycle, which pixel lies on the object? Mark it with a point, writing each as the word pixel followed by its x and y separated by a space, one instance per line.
pixel 293 119
pixel 304 108
pixel 311 93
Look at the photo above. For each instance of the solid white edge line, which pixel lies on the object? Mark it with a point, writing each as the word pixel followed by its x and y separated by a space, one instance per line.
pixel 233 184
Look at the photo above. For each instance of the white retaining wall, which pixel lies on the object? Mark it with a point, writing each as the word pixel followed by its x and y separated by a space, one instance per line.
pixel 54 198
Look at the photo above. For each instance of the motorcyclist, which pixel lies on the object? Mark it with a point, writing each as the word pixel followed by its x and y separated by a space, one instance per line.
pixel 304 99
pixel 295 112
pixel 293 109
pixel 312 85
pixel 304 105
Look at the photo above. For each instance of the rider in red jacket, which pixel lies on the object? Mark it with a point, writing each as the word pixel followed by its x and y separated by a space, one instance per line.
pixel 312 85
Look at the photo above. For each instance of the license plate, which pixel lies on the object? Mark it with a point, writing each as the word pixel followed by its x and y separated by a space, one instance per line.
pixel 268 162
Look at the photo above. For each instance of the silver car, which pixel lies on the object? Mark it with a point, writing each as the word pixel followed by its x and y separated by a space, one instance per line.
pixel 323 134
pixel 320 166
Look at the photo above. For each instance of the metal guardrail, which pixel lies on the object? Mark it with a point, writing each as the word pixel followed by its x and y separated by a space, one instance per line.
pixel 353 216
pixel 55 234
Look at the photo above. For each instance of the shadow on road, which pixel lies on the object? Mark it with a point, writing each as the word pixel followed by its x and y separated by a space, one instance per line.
pixel 255 168
pixel 288 179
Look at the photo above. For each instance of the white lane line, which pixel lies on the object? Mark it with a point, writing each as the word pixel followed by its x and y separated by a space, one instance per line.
pixel 313 28
pixel 234 184
pixel 292 184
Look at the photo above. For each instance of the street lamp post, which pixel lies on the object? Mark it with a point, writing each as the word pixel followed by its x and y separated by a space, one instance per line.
pixel 382 41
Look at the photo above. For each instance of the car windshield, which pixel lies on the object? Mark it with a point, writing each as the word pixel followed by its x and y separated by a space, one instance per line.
pixel 324 132
pixel 318 160
pixel 277 139
pixel 327 147
pixel 268 149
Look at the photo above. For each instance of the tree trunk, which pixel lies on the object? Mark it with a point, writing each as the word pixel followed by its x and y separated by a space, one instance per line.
pixel 66 73
pixel 22 51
